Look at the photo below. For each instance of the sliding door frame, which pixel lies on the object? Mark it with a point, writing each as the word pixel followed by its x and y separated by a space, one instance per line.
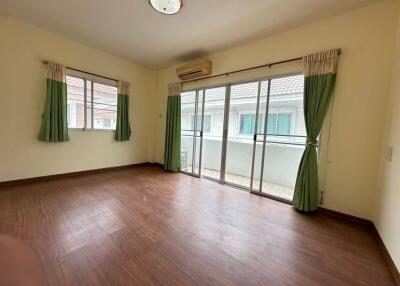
pixel 256 130
pixel 226 130
pixel 201 128
pixel 264 136
pixel 265 141
pixel 195 135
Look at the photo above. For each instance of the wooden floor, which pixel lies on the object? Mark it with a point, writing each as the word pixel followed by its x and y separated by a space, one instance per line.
pixel 143 226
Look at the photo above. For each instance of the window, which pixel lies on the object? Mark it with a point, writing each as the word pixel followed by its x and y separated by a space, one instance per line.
pixel 248 123
pixel 279 123
pixel 91 105
pixel 206 123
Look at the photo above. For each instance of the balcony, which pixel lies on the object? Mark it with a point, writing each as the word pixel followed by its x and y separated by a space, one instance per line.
pixel 281 163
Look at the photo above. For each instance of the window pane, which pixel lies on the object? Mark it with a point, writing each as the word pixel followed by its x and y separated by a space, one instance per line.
pixel 104 106
pixel 286 101
pixel 284 121
pixel 247 122
pixel 207 124
pixel 75 102
pixel 272 119
pixel 260 126
pixel 188 104
pixel 197 124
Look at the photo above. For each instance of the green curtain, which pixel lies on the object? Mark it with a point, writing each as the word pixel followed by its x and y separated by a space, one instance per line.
pixel 54 126
pixel 172 153
pixel 320 76
pixel 123 128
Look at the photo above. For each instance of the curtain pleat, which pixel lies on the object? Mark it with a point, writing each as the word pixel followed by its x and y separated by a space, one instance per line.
pixel 123 128
pixel 320 77
pixel 172 153
pixel 123 131
pixel 54 127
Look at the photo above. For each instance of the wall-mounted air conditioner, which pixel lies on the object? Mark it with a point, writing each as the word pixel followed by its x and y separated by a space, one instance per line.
pixel 194 70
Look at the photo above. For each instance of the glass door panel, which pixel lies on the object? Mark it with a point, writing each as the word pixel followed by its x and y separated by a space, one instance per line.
pixel 198 127
pixel 190 132
pixel 213 126
pixel 285 137
pixel 260 137
pixel 241 128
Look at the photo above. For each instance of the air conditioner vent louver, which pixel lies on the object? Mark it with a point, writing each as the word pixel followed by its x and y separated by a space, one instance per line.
pixel 194 70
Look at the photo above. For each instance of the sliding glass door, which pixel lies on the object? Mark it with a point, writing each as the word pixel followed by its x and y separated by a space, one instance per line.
pixel 250 135
pixel 280 145
pixel 241 129
pixel 213 130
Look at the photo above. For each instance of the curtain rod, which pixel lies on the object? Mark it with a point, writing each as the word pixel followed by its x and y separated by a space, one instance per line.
pixel 46 62
pixel 251 68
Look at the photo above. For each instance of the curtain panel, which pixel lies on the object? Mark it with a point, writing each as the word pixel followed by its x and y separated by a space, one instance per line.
pixel 319 76
pixel 172 153
pixel 123 128
pixel 54 126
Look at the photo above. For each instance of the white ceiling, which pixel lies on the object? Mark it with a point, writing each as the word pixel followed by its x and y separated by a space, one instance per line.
pixel 133 30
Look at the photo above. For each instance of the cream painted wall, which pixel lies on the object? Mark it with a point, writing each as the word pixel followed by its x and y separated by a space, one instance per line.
pixel 22 97
pixel 387 213
pixel 367 39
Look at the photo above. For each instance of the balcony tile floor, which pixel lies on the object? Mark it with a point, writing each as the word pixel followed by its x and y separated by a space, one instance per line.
pixel 268 187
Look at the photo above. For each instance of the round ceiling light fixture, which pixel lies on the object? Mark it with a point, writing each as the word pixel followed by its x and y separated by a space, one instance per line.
pixel 168 7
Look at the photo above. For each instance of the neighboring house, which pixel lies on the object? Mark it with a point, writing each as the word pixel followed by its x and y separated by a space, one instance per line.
pixel 285 110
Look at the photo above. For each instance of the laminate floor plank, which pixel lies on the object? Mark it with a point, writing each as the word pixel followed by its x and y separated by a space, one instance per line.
pixel 144 226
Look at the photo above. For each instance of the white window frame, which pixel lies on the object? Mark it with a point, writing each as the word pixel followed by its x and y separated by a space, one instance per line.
pixel 286 110
pixel 239 114
pixel 94 79
pixel 281 110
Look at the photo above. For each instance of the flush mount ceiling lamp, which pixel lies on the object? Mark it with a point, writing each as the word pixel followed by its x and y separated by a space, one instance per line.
pixel 168 7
